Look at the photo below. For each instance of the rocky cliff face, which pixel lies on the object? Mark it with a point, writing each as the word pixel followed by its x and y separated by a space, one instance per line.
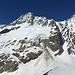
pixel 35 41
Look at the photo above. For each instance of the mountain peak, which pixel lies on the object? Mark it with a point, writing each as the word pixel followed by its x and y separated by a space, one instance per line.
pixel 23 18
pixel 29 13
pixel 31 42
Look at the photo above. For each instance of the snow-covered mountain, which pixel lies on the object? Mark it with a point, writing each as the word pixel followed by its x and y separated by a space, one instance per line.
pixel 33 45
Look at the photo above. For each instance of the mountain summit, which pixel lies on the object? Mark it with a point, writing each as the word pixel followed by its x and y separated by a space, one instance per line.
pixel 33 45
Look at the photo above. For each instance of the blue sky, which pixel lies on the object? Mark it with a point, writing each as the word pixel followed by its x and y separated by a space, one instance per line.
pixel 56 9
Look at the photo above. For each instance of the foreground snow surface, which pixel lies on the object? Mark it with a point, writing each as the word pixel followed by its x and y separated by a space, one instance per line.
pixel 63 67
pixel 66 65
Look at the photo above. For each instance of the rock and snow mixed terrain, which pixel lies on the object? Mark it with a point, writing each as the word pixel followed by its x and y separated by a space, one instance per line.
pixel 33 45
